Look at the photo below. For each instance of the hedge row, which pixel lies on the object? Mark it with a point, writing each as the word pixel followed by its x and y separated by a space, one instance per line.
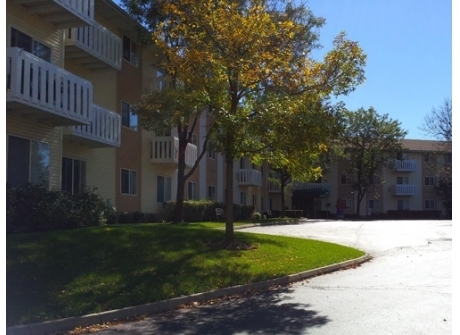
pixel 205 210
pixel 36 209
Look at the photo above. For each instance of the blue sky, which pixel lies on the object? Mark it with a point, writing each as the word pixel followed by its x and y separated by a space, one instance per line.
pixel 409 54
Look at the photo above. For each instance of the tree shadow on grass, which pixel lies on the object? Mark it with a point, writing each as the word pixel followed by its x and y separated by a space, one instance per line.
pixel 64 274
pixel 265 313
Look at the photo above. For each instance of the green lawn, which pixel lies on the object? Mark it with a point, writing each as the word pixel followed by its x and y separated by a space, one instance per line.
pixel 68 273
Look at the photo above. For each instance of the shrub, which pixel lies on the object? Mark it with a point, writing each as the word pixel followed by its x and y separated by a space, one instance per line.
pixel 134 217
pixel 205 210
pixel 256 216
pixel 33 208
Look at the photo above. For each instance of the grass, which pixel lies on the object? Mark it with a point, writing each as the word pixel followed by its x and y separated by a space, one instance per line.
pixel 68 273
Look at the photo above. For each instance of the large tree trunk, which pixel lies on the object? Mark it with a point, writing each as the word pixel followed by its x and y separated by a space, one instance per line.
pixel 229 235
pixel 283 180
pixel 178 216
pixel 283 205
pixel 359 198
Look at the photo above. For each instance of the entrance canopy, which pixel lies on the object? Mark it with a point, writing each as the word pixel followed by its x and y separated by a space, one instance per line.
pixel 312 193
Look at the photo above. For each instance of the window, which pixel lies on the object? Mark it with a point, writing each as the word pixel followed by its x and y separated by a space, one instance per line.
pixel 193 139
pixel 400 156
pixel 376 180
pixel 448 158
pixel 254 200
pixel 242 198
pixel 348 203
pixel 374 204
pixel 429 181
pixel 192 194
pixel 163 189
pixel 403 205
pixel 402 180
pixel 73 175
pixel 242 163
pixel 128 118
pixel 212 193
pixel 347 153
pixel 26 42
pixel 429 204
pixel 160 80
pixel 128 182
pixel 345 179
pixel 130 51
pixel 28 162
pixel 211 154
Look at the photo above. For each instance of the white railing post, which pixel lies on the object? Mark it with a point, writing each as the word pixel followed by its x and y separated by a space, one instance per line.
pixel 81 8
pixel 98 41
pixel 43 85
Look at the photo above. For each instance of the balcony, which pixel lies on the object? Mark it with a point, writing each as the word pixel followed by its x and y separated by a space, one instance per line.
pixel 403 189
pixel 249 177
pixel 44 92
pixel 165 151
pixel 274 187
pixel 408 165
pixel 61 13
pixel 104 129
pixel 93 47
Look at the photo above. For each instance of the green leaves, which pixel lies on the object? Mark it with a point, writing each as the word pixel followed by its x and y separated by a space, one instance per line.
pixel 369 139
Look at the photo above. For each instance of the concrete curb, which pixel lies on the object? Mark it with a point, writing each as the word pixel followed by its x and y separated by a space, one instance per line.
pixel 47 327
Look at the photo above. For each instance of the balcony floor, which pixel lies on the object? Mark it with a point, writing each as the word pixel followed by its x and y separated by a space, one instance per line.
pixel 41 115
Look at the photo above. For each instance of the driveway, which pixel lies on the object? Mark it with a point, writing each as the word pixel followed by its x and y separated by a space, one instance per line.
pixel 405 289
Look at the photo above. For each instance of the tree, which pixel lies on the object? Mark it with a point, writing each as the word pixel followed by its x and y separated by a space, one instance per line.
pixel 369 141
pixel 244 49
pixel 258 50
pixel 175 107
pixel 438 124
pixel 296 148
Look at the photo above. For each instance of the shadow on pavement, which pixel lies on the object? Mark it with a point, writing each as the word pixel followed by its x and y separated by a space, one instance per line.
pixel 259 314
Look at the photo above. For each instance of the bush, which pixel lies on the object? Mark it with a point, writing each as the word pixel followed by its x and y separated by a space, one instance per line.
pixel 135 217
pixel 414 215
pixel 205 210
pixel 33 208
pixel 256 216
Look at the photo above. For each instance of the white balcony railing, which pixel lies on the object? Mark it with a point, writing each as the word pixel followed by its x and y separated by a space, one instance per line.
pixel 403 165
pixel 104 128
pixel 52 94
pixel 101 46
pixel 249 177
pixel 62 13
pixel 274 187
pixel 165 150
pixel 403 189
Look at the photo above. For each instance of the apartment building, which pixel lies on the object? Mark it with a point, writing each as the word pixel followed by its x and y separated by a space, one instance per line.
pixel 75 68
pixel 406 183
